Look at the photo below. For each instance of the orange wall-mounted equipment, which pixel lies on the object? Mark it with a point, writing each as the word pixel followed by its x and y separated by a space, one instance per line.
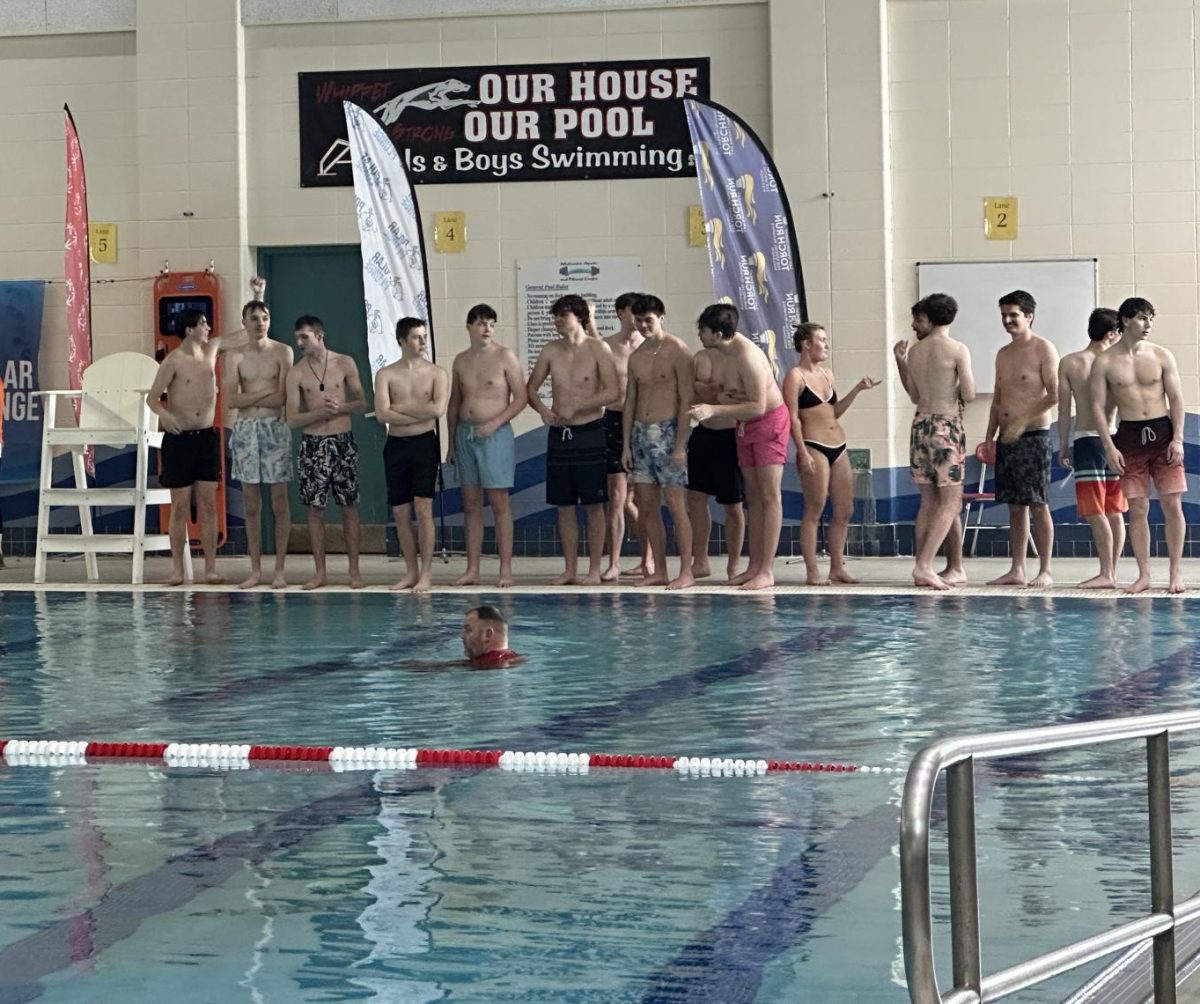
pixel 173 294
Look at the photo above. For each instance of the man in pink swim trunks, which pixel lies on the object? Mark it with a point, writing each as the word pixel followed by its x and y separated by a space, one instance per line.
pixel 752 398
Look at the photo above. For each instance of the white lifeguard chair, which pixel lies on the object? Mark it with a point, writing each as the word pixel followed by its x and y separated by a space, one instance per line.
pixel 114 412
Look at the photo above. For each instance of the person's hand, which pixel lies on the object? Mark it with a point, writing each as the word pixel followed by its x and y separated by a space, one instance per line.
pixel 450 452
pixel 627 459
pixel 866 383
pixel 1116 459
pixel 1064 458
pixel 565 412
pixel 486 430
pixel 551 418
pixel 258 286
pixel 900 351
pixel 734 396
pixel 170 423
pixel 1175 454
pixel 701 412
pixel 679 457
pixel 333 406
pixel 805 463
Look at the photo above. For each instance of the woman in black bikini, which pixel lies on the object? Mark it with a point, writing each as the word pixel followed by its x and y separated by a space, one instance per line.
pixel 821 450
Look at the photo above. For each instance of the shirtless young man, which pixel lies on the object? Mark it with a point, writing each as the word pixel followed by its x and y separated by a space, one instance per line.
pixel 323 391
pixel 621 504
pixel 754 400
pixel 1143 379
pixel 410 397
pixel 654 435
pixel 261 443
pixel 1026 390
pixel 191 447
pixel 487 391
pixel 712 463
pixel 1098 495
pixel 583 379
pixel 936 373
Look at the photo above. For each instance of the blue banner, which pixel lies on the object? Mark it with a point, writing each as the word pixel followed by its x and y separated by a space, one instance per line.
pixel 20 340
pixel 752 248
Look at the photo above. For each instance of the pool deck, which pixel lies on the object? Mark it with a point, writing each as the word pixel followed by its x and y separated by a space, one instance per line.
pixel 887 576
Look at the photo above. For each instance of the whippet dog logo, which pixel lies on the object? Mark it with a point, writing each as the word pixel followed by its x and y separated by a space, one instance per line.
pixel 746 184
pixel 439 96
pixel 716 235
pixel 769 337
pixel 705 159
pixel 760 275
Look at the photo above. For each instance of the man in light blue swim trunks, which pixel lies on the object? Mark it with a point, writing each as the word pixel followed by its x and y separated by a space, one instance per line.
pixel 261 444
pixel 487 391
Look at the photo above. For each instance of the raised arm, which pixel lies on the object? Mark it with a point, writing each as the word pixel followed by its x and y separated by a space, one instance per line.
pixel 866 383
pixel 900 352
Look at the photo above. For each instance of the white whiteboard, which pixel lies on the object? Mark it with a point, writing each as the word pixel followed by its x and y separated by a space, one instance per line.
pixel 1066 291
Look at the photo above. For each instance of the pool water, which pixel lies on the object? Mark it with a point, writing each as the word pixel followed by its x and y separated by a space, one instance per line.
pixel 147 883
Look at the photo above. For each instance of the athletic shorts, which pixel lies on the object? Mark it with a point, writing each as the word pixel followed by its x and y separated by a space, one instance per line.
pixel 764 441
pixel 262 451
pixel 1097 489
pixel 329 464
pixel 614 440
pixel 1144 447
pixel 410 465
pixel 191 456
pixel 576 465
pixel 1023 469
pixel 712 464
pixel 937 450
pixel 650 446
pixel 485 463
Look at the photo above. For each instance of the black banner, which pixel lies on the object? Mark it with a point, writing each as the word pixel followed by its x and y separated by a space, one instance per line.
pixel 546 122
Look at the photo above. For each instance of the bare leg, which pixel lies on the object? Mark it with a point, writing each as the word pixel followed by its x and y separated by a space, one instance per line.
pixel 954 574
pixel 1117 522
pixel 618 488
pixel 1172 507
pixel 753 522
pixel 177 529
pixel 502 514
pixel 595 543
pixel 425 531
pixel 1139 537
pixel 316 534
pixel 815 486
pixel 735 533
pixel 472 497
pixel 677 504
pixel 1018 543
pixel 649 503
pixel 768 481
pixel 568 534
pixel 350 524
pixel 252 498
pixel 701 521
pixel 281 509
pixel 841 491
pixel 633 517
pixel 408 545
pixel 1043 537
pixel 1102 535
pixel 943 505
pixel 206 513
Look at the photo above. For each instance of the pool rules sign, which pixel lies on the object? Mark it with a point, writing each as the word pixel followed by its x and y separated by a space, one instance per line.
pixel 552 122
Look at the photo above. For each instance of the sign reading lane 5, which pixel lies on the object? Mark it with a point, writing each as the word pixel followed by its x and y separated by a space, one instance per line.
pixel 102 243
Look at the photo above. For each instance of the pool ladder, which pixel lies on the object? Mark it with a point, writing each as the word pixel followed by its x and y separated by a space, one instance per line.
pixel 956 757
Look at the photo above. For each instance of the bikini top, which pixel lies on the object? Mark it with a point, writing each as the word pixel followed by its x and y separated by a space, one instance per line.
pixel 809 399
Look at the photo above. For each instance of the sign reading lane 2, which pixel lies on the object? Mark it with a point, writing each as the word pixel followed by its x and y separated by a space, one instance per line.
pixel 550 122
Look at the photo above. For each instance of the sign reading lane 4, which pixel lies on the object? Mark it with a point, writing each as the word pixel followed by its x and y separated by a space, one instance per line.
pixel 450 231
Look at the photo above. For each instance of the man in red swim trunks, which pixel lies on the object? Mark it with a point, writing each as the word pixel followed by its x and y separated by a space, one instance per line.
pixel 485 639
pixel 753 399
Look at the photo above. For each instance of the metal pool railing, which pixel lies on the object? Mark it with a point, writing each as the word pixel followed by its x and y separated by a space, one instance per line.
pixel 956 757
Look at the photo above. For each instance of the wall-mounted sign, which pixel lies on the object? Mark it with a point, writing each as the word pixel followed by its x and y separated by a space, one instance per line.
pixel 695 225
pixel 1000 218
pixel 102 243
pixel 450 232
pixel 544 122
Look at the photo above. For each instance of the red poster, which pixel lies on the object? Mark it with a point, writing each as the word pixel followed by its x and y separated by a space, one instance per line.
pixel 78 270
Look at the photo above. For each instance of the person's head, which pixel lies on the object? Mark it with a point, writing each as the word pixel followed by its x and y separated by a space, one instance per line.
pixel 481 323
pixel 648 312
pixel 939 309
pixel 1136 316
pixel 484 630
pixel 622 305
pixel 412 336
pixel 811 340
pixel 1016 311
pixel 256 318
pixel 1104 325
pixel 309 332
pixel 570 311
pixel 721 319
pixel 193 324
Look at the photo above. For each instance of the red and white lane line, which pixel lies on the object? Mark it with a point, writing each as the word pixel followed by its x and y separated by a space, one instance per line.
pixel 235 756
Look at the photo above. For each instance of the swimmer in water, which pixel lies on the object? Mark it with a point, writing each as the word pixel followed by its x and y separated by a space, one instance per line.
pixel 485 639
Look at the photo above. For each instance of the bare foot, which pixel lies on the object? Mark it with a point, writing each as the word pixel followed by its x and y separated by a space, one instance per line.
pixel 176 579
pixel 316 582
pixel 1140 585
pixel 1098 582
pixel 255 579
pixel 408 582
pixel 422 585
pixel 701 570
pixel 611 573
pixel 468 578
pixel 591 579
pixel 1010 578
pixel 1043 580
pixel 645 568
pixel 953 576
pixel 357 581
pixel 682 581
pixel 815 580
pixel 654 580
pixel 731 571
pixel 566 579
pixel 841 575
pixel 1176 585
pixel 929 580
pixel 214 578
pixel 765 580
pixel 506 578
pixel 741 577
pixel 279 581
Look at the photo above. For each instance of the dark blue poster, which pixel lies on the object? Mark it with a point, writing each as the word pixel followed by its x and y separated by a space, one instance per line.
pixel 752 249
pixel 20 340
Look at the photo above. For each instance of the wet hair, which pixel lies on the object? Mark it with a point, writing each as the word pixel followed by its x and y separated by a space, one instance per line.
pixel 255 305
pixel 648 303
pixel 490 615
pixel 572 303
pixel 1132 307
pixel 481 312
pixel 1018 298
pixel 939 308
pixel 309 321
pixel 625 300
pixel 1101 321
pixel 804 333
pixel 188 319
pixel 406 326
pixel 720 318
